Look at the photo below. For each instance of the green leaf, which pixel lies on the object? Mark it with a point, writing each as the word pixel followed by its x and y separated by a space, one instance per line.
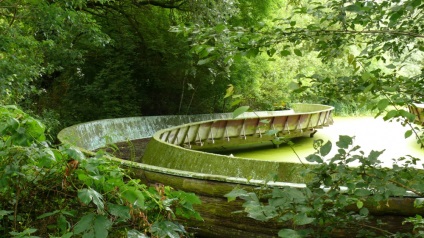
pixel 297 52
pixel 293 85
pixel 12 123
pixel 119 211
pixel 101 226
pixel 251 53
pixel 353 8
pixel 231 196
pixel 368 88
pixel 25 234
pixel 284 53
pixel 240 111
pixel 89 234
pixel 67 235
pixel 373 156
pixel 229 91
pixel 325 149
pixel 364 211
pixel 419 202
pixel 47 214
pixel 289 233
pixel 314 158
pixel 395 16
pixel 391 66
pixel 272 132
pixel 88 195
pixel 366 76
pixel 408 133
pixel 361 192
pixel 344 141
pixel 382 104
pixel 391 114
pixel 271 52
pixel 167 229
pixel 74 154
pixel 236 102
pixel 220 28
pixel 133 196
pixel 302 219
pixel 84 224
pixel 407 115
pixel 204 61
pixel 389 89
pixel 416 3
pixel 136 234
pixel 4 213
pixel 359 204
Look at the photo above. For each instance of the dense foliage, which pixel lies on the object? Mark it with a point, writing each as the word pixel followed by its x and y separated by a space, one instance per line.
pixel 68 61
pixel 83 60
pixel 58 192
pixel 340 196
pixel 376 45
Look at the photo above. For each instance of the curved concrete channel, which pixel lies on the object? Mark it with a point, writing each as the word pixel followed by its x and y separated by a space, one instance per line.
pixel 174 157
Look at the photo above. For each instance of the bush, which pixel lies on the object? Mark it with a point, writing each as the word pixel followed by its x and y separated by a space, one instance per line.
pixel 52 191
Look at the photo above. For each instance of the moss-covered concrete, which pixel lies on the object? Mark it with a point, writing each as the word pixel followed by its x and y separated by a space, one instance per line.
pixel 210 176
pixel 166 155
pixel 96 134
pixel 159 154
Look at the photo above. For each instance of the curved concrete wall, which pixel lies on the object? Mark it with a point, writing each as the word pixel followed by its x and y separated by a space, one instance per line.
pixel 96 134
pixel 167 158
pixel 210 176
pixel 170 156
pixel 166 147
pixel 215 135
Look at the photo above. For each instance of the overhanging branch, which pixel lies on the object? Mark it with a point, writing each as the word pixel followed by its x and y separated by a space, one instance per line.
pixel 404 33
pixel 172 4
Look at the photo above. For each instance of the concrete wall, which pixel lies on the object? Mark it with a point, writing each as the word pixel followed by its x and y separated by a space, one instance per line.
pixel 96 134
pixel 165 157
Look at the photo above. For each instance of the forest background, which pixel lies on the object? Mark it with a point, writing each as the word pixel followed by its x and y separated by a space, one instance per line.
pixel 74 61
pixel 71 61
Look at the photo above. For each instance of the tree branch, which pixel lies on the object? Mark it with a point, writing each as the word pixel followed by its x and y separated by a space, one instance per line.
pixel 404 33
pixel 173 4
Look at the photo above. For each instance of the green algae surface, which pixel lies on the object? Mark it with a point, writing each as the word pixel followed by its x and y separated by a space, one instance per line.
pixel 370 133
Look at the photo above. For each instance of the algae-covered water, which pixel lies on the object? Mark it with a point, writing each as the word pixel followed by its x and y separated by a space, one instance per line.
pixel 370 133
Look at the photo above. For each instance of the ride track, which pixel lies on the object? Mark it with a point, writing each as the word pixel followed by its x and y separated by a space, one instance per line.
pixel 173 157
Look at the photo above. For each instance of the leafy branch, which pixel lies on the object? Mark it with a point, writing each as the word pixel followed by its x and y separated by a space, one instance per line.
pixel 339 195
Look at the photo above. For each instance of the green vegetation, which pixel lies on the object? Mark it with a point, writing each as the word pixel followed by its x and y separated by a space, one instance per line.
pixel 58 192
pixel 69 61
pixel 341 196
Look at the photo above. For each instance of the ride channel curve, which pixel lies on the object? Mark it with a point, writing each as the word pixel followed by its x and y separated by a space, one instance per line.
pixel 174 157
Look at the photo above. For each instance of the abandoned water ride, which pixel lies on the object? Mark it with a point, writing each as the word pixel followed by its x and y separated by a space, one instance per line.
pixel 418 110
pixel 178 155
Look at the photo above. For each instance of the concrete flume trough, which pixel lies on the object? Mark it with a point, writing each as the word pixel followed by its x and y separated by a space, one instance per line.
pixel 173 157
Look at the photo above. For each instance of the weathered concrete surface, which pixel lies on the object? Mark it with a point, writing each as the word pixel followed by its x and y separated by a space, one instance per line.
pixel 170 156
pixel 173 147
pixel 96 134
pixel 210 184
pixel 418 110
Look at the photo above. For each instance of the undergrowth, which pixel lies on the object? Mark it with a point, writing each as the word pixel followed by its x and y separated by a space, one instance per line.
pixel 56 191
